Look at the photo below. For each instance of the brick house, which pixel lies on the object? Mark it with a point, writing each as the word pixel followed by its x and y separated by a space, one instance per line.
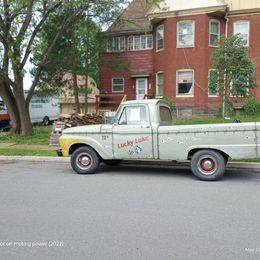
pixel 169 49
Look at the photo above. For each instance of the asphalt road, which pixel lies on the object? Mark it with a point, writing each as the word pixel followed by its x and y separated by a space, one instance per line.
pixel 126 212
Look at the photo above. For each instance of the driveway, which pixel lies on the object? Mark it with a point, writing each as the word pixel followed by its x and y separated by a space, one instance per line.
pixel 126 212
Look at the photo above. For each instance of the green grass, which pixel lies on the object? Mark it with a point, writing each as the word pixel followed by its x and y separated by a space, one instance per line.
pixel 40 136
pixel 15 152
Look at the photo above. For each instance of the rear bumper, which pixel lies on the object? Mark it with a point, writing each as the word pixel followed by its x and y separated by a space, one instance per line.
pixel 59 152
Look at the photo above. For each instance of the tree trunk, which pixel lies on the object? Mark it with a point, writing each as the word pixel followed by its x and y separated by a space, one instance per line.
pixel 12 109
pixel 76 92
pixel 26 125
pixel 86 94
pixel 75 81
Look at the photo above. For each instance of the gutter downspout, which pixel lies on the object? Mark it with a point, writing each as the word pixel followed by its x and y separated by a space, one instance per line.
pixel 224 97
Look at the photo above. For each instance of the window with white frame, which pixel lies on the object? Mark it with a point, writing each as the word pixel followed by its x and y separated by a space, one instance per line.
pixel 118 84
pixel 160 37
pixel 116 44
pixel 140 42
pixel 186 34
pixel 211 76
pixel 242 28
pixel 214 32
pixel 159 84
pixel 185 83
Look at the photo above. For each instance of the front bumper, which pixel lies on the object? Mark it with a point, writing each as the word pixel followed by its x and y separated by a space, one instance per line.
pixel 59 152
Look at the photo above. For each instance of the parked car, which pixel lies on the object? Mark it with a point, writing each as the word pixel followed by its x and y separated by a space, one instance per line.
pixel 44 109
pixel 4 116
pixel 143 130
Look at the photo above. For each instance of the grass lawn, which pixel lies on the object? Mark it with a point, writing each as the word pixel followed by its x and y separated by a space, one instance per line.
pixel 15 152
pixel 40 136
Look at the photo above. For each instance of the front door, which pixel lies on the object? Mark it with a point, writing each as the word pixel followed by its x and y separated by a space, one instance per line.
pixel 141 88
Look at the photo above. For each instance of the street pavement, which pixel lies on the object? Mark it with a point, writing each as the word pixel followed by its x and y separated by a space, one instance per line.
pixel 126 212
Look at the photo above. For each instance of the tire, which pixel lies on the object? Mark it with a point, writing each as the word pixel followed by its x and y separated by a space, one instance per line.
pixel 84 160
pixel 112 162
pixel 46 121
pixel 208 165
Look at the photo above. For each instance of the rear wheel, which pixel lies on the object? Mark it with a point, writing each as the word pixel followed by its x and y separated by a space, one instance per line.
pixel 208 165
pixel 84 160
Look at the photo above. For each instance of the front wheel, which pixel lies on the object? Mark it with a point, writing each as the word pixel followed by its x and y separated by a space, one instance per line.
pixel 208 165
pixel 84 160
pixel 46 121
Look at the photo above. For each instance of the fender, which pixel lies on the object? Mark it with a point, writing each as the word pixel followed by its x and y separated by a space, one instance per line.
pixel 67 141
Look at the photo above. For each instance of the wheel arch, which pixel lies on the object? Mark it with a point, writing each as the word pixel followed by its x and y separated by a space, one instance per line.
pixel 75 146
pixel 193 151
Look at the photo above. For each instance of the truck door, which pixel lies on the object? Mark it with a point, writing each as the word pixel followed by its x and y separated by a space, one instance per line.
pixel 132 134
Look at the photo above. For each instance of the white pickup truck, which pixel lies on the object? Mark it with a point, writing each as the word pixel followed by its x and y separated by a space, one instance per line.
pixel 143 130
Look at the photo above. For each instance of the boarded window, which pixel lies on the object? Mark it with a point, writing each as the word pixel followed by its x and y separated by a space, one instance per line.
pixel 242 28
pixel 186 33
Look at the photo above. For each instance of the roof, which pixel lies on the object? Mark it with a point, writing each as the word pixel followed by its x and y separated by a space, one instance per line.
pixel 132 19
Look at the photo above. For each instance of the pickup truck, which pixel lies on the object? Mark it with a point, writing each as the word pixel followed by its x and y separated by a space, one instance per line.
pixel 143 131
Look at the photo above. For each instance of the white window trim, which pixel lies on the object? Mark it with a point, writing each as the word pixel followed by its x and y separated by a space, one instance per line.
pixel 210 95
pixel 248 27
pixel 113 43
pixel 193 85
pixel 194 32
pixel 214 21
pixel 160 26
pixel 156 80
pixel 113 85
pixel 139 36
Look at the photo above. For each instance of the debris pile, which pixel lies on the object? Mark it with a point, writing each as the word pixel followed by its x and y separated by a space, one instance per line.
pixel 80 119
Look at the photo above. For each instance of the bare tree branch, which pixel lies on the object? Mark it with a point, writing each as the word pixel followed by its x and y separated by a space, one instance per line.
pixel 26 22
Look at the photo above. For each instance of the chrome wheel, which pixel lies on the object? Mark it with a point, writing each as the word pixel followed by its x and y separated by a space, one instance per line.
pixel 84 161
pixel 207 165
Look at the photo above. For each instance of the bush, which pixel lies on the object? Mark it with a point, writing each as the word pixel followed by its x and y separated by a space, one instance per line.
pixel 251 107
pixel 230 112
pixel 170 104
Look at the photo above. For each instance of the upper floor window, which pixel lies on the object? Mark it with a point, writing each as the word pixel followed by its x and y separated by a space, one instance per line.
pixel 214 32
pixel 160 37
pixel 116 44
pixel 242 28
pixel 140 42
pixel 185 83
pixel 159 84
pixel 186 34
pixel 118 84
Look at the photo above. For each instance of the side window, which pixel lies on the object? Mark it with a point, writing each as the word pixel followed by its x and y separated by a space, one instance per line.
pixel 133 116
pixel 165 115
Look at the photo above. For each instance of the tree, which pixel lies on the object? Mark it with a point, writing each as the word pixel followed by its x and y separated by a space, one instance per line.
pixel 233 72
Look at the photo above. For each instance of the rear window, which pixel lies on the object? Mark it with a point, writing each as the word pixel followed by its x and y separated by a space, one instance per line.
pixel 165 115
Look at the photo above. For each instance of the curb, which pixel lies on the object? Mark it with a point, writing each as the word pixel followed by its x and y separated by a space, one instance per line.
pixel 231 165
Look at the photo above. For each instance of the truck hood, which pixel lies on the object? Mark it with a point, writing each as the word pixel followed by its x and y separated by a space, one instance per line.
pixel 88 129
